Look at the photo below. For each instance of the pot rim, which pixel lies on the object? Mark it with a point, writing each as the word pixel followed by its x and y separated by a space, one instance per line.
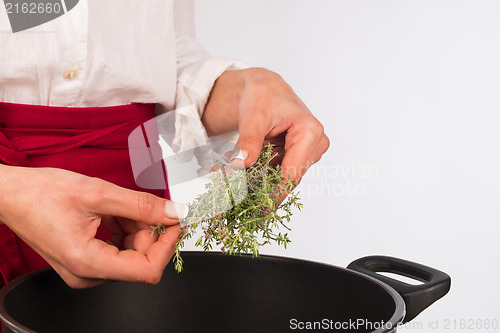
pixel 5 317
pixel 390 325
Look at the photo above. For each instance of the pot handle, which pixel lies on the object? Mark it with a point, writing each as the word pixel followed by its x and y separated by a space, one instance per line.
pixel 417 298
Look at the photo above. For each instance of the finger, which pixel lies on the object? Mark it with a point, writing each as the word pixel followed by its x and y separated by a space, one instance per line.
pixel 62 266
pixel 162 250
pixel 71 279
pixel 141 240
pixel 321 148
pixel 253 127
pixel 128 225
pixel 281 193
pixel 300 146
pixel 110 199
pixel 129 265
pixel 76 282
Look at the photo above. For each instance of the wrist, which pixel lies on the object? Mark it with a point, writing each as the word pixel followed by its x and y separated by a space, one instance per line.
pixel 6 184
pixel 221 111
pixel 3 182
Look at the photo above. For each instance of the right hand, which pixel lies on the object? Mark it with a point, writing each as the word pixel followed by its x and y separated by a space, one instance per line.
pixel 57 213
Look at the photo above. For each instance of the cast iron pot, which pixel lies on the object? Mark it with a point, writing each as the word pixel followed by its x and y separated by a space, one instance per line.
pixel 221 293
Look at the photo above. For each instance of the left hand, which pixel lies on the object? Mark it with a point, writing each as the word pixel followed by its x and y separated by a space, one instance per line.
pixel 57 213
pixel 264 108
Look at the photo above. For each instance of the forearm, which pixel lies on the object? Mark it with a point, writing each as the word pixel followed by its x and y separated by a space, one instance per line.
pixel 18 186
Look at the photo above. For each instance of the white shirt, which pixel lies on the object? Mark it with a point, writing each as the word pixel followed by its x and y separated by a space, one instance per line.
pixel 113 52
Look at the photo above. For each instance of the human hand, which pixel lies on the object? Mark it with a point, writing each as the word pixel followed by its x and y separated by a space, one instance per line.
pixel 264 108
pixel 57 213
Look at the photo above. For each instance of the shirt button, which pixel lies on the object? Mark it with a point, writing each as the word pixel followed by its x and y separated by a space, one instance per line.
pixel 70 73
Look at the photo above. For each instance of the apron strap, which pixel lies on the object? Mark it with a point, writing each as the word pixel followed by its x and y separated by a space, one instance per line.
pixel 8 154
pixel 14 152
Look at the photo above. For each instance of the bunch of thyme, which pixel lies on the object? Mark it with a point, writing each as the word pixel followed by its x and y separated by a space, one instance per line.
pixel 253 221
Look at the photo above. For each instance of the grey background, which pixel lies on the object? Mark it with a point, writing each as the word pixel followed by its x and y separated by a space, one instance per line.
pixel 408 90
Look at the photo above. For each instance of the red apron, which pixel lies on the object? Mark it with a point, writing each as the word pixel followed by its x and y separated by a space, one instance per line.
pixel 90 141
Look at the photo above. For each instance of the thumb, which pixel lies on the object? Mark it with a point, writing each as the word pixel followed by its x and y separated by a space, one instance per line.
pixel 138 206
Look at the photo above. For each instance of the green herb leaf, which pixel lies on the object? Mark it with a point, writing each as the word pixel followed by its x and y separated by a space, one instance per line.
pixel 252 223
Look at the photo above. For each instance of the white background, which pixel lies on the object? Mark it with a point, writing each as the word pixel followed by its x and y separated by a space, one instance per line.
pixel 408 92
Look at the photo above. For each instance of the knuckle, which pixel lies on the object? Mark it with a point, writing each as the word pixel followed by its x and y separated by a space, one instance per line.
pixel 92 189
pixel 76 263
pixel 250 141
pixel 315 127
pixel 264 75
pixel 326 143
pixel 265 83
pixel 145 202
pixel 152 278
pixel 74 282
pixel 312 130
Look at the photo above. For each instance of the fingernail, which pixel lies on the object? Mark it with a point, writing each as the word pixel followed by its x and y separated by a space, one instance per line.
pixel 238 159
pixel 242 155
pixel 176 210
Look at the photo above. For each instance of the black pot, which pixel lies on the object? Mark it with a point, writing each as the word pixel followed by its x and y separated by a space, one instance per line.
pixel 221 293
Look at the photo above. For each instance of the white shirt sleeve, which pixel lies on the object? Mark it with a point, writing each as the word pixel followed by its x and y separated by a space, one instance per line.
pixel 197 72
pixel 95 56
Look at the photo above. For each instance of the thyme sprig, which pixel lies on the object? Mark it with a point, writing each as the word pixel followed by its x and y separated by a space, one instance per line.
pixel 253 222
